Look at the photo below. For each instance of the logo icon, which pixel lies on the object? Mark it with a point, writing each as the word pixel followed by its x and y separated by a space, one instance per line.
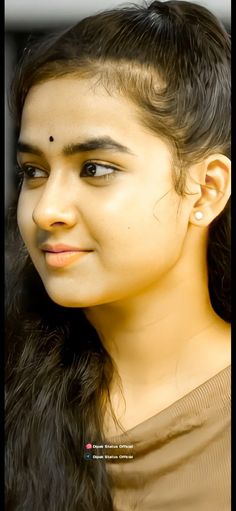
pixel 88 446
pixel 88 456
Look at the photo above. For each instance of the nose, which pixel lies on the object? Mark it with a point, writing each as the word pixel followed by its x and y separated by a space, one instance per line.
pixel 56 206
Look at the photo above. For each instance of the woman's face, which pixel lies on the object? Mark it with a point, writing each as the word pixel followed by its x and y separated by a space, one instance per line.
pixel 97 210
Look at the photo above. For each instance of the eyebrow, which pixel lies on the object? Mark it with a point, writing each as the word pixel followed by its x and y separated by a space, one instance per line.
pixel 93 144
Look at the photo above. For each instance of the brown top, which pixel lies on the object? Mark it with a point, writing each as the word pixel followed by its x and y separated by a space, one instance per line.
pixel 181 456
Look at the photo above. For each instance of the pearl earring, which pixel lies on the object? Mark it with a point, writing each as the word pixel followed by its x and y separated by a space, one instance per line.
pixel 198 215
pixel 213 192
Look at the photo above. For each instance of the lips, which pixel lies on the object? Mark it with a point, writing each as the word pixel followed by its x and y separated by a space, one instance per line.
pixel 61 248
pixel 59 256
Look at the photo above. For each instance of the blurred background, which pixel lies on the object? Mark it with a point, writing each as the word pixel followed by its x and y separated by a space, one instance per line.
pixel 37 17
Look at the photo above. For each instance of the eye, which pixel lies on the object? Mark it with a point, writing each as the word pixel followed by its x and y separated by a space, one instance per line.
pixel 98 170
pixel 30 172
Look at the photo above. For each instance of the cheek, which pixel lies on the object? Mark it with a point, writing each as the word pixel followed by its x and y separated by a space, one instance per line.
pixel 135 215
pixel 126 234
pixel 117 221
pixel 141 235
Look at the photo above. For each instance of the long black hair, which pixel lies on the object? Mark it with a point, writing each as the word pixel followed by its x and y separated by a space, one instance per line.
pixel 172 59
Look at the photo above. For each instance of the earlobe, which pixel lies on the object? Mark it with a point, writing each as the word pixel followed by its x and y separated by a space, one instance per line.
pixel 215 189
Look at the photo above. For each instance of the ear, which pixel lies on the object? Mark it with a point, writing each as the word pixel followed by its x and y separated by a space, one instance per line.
pixel 215 188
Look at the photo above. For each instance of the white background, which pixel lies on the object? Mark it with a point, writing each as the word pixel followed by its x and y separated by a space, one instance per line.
pixel 36 12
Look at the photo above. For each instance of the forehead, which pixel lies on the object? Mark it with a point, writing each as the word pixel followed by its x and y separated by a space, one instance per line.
pixel 74 110
pixel 68 108
pixel 75 99
pixel 71 109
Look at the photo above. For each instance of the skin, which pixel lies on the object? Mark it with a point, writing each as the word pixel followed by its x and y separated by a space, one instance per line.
pixel 144 283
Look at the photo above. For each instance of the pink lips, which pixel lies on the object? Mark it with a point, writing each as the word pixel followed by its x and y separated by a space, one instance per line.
pixel 58 256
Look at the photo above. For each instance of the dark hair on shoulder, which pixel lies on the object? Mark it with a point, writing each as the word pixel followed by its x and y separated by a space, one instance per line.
pixel 172 59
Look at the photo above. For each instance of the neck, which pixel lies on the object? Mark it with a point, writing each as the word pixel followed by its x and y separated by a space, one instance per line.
pixel 147 334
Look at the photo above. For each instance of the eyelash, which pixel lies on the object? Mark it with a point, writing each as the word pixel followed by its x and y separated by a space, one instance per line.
pixel 23 171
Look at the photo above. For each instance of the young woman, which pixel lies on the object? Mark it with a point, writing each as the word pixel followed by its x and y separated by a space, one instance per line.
pixel 118 306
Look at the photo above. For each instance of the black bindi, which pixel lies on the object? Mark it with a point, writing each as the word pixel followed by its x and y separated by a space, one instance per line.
pixel 51 138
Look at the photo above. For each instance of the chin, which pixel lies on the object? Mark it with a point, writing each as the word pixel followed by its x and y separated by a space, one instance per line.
pixel 70 300
pixel 67 301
